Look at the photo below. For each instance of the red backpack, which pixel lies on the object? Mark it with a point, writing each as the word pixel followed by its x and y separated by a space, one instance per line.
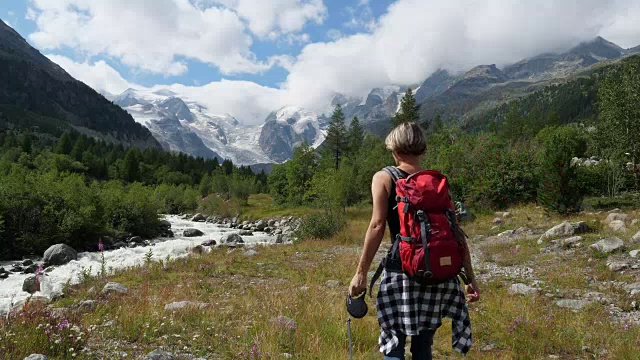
pixel 430 242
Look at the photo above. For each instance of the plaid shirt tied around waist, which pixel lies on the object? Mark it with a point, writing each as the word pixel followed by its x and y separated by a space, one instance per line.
pixel 407 307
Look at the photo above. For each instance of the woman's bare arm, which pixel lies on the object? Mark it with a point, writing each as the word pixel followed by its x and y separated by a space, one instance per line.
pixel 380 186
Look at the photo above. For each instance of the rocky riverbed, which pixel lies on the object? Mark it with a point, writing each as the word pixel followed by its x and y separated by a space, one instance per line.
pixel 192 233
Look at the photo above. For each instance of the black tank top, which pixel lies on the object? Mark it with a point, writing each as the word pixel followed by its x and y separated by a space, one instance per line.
pixel 393 220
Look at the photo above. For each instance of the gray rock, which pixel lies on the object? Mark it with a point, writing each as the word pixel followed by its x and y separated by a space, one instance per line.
pixel 497 221
pixel 232 238
pixel 36 357
pixel 42 300
pixel 30 285
pixel 88 305
pixel 634 253
pixel 165 224
pixel 617 265
pixel 31 269
pixel 634 222
pixel 506 215
pixel 114 287
pixel 4 275
pixel 27 262
pixel 571 242
pixel 572 304
pixel 618 226
pixel 508 233
pixel 250 252
pixel 277 232
pixel 608 246
pixel 158 354
pixel 615 217
pixel 199 218
pixel 333 283
pixel 245 233
pixel 261 225
pixel 633 288
pixel 522 289
pixel 271 223
pixel 59 254
pixel 136 239
pixel 209 243
pixel 192 232
pixel 180 305
pixel 565 229
pixel 635 239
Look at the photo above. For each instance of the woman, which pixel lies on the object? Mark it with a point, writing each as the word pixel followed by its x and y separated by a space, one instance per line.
pixel 406 308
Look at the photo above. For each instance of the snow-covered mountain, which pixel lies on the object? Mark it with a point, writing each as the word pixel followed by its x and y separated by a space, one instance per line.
pixel 183 125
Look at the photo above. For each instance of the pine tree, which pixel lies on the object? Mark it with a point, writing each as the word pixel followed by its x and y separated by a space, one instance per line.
pixel 131 166
pixel 409 110
pixel 337 135
pixel 65 144
pixel 355 136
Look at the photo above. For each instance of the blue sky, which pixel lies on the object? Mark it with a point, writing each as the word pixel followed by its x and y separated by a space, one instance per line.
pixel 250 57
pixel 344 16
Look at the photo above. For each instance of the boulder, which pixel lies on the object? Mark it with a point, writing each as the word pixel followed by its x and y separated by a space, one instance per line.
pixel 636 238
pixel 618 226
pixel 191 232
pixel 608 246
pixel 88 305
pixel 209 243
pixel 565 229
pixel 522 289
pixel 261 225
pixel 617 265
pixel 179 305
pixel 114 287
pixel 232 238
pixel 32 300
pixel 634 253
pixel 271 223
pixel 4 275
pixel 31 285
pixel 27 262
pixel 165 224
pixel 571 242
pixel 573 304
pixel 497 221
pixel 615 217
pixel 36 357
pixel 199 218
pixel 245 233
pixel 158 354
pixel 31 269
pixel 136 239
pixel 59 254
pixel 633 288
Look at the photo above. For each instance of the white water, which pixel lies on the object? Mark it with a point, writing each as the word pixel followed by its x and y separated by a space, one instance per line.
pixel 54 281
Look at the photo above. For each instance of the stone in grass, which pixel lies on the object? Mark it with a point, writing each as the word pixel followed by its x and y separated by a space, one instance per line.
pixel 634 253
pixel 633 288
pixel 522 289
pixel 36 357
pixel 571 242
pixel 180 305
pixel 250 252
pixel 615 217
pixel 158 354
pixel 635 239
pixel 574 305
pixel 497 221
pixel 114 287
pixel 565 229
pixel 618 226
pixel 192 232
pixel 608 246
pixel 617 265
pixel 333 283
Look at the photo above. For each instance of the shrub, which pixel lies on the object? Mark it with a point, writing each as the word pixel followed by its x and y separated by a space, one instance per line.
pixel 321 225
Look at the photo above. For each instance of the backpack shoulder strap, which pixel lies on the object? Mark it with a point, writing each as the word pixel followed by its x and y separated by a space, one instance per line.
pixel 394 173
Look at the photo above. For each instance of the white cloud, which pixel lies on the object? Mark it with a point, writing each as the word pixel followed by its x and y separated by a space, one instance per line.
pixel 99 75
pixel 269 18
pixel 417 37
pixel 152 36
pixel 247 101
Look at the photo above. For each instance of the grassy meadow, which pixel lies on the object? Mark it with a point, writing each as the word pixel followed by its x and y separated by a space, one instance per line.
pixel 288 302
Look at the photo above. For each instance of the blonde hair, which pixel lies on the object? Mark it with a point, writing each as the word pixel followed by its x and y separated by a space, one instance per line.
pixel 407 138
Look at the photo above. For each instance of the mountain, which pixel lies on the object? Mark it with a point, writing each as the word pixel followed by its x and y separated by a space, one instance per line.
pixel 34 88
pixel 460 97
pixel 634 50
pixel 288 127
pixel 187 126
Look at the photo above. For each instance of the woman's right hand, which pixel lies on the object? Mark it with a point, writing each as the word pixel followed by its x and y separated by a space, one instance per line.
pixel 358 285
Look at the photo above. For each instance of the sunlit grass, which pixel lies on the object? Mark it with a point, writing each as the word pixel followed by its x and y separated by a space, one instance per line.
pixel 251 299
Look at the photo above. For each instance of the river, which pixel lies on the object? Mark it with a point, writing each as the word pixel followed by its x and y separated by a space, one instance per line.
pixel 179 246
